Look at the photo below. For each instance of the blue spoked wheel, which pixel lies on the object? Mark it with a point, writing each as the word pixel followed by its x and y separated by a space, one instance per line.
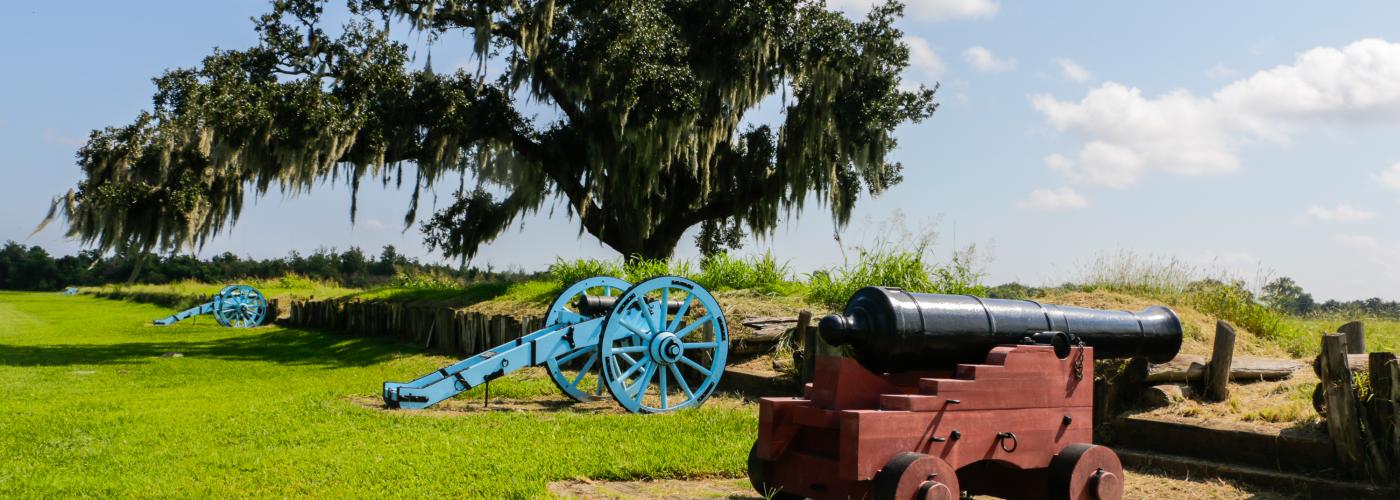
pixel 575 369
pixel 240 306
pixel 656 359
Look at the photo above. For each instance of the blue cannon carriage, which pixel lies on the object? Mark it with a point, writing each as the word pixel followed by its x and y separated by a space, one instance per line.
pixel 238 306
pixel 657 346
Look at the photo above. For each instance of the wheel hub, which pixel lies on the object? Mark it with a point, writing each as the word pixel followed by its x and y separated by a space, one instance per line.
pixel 666 348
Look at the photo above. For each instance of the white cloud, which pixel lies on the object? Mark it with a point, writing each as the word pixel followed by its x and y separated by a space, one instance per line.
pixel 1179 132
pixel 1053 200
pixel 1358 84
pixel 985 61
pixel 928 10
pixel 1220 72
pixel 374 225
pixel 1058 162
pixel 923 59
pixel 1073 71
pixel 1391 177
pixel 1127 134
pixel 1340 213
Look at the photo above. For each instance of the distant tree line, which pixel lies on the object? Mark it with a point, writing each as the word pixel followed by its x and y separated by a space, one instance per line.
pixel 32 268
pixel 1283 294
pixel 1286 295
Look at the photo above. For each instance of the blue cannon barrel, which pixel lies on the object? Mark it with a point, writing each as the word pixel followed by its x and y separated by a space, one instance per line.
pixel 891 330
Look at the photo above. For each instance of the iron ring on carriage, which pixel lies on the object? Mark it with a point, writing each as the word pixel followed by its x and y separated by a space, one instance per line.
pixel 1003 436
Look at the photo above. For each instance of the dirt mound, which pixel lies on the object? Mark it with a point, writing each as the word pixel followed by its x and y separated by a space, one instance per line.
pixel 1198 328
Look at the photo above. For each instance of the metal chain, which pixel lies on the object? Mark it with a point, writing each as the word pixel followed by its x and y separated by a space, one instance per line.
pixel 1079 360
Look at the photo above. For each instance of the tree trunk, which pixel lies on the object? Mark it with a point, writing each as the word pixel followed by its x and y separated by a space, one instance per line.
pixel 659 246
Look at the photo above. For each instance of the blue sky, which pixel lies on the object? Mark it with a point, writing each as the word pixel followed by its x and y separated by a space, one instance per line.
pixel 1245 136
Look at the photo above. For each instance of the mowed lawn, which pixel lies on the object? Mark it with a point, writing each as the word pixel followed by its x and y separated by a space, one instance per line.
pixel 90 407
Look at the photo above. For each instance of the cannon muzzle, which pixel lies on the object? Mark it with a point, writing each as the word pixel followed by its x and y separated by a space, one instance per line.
pixel 891 330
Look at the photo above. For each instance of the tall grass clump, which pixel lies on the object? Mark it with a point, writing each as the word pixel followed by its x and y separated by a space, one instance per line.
pixel 639 270
pixel 760 272
pixel 566 272
pixel 570 271
pixel 901 267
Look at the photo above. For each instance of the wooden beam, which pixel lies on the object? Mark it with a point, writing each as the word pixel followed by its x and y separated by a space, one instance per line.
pixel 1355 363
pixel 1191 368
pixel 1343 417
pixel 1217 386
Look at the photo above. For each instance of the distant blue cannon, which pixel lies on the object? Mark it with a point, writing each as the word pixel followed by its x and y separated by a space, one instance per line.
pixel 238 306
pixel 70 291
pixel 657 346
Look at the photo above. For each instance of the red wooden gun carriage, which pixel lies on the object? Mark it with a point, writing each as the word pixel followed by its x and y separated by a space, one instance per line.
pixel 948 394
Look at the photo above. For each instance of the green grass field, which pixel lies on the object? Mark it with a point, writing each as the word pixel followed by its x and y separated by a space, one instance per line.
pixel 92 408
pixel 1381 334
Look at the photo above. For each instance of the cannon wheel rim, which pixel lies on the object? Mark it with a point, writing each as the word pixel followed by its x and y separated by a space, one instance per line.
pixel 240 306
pixel 562 312
pixel 626 333
pixel 759 470
pixel 916 475
pixel 1083 470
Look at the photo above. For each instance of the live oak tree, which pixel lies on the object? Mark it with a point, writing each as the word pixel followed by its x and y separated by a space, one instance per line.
pixel 646 137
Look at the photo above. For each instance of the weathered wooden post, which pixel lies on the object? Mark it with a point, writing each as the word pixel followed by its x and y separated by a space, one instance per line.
pixel 274 309
pixel 1355 331
pixel 1218 370
pixel 805 335
pixel 442 319
pixel 1343 419
pixel 1385 406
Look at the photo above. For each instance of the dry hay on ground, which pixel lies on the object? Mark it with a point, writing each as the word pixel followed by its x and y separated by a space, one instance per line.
pixel 1264 406
pixel 1140 484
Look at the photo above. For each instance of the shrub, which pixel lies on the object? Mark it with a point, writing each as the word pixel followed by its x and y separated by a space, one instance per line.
pixel 424 281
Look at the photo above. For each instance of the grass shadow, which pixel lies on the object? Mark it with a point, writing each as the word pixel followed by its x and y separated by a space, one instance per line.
pixel 278 345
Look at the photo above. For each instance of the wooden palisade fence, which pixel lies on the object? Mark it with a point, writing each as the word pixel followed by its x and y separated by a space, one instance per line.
pixel 447 330
pixel 1360 399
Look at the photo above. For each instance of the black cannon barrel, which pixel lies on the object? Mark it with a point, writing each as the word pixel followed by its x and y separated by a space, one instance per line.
pixel 892 330
pixel 597 305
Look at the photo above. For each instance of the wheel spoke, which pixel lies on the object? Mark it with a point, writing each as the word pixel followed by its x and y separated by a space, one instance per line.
pixel 632 348
pixel 680 313
pixel 691 327
pixel 584 371
pixel 635 331
pixel 574 355
pixel 643 364
pixel 625 356
pixel 700 345
pixel 661 323
pixel 662 376
pixel 680 380
pixel 640 388
pixel 646 313
pixel 690 362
